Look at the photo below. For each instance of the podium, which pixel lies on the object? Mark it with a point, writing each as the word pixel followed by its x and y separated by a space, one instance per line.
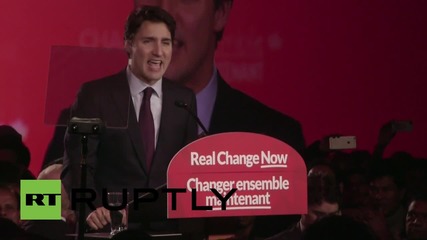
pixel 237 174
pixel 225 175
pixel 232 175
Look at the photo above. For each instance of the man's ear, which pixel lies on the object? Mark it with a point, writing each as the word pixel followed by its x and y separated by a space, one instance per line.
pixel 128 46
pixel 221 15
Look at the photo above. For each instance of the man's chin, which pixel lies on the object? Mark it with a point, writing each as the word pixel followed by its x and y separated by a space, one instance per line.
pixel 152 78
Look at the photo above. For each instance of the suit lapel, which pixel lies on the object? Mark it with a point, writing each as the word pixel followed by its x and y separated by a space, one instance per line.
pixel 125 109
pixel 121 99
pixel 168 110
pixel 167 104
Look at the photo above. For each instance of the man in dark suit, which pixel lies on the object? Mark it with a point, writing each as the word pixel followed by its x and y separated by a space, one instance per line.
pixel 144 127
pixel 221 108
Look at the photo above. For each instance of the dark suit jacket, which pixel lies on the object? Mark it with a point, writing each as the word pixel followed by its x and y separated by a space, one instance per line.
pixel 236 111
pixel 116 158
pixel 233 111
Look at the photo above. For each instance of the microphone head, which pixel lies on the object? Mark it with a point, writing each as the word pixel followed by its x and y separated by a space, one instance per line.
pixel 184 105
pixel 181 104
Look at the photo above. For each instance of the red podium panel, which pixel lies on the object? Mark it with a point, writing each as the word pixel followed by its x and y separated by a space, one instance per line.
pixel 269 176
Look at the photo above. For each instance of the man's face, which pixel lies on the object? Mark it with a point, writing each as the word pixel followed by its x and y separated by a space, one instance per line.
pixel 9 206
pixel 195 40
pixel 386 195
pixel 316 212
pixel 356 191
pixel 150 51
pixel 416 220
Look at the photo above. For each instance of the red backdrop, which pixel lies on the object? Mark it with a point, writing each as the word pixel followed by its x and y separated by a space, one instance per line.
pixel 337 66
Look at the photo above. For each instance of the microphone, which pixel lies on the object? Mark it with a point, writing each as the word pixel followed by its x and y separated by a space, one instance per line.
pixel 184 105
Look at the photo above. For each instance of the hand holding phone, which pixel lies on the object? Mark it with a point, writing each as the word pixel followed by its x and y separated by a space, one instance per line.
pixel 342 142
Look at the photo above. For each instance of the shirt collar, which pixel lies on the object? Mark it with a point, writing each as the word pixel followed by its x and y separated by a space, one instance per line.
pixel 137 86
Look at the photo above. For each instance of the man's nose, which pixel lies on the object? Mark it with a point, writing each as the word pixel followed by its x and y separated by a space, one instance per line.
pixel 157 49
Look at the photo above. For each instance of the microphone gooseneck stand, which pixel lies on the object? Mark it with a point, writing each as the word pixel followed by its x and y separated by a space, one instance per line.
pixel 83 174
pixel 84 127
pixel 185 106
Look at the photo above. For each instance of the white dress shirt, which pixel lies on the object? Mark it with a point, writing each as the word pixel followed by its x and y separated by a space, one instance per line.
pixel 137 87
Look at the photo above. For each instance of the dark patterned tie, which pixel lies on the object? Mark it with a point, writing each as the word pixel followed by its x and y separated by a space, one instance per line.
pixel 146 124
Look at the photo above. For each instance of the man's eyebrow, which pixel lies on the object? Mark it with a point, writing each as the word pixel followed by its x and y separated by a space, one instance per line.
pixel 148 38
pixel 155 38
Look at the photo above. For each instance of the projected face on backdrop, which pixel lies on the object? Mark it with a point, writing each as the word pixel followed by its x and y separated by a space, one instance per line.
pixel 197 21
pixel 150 51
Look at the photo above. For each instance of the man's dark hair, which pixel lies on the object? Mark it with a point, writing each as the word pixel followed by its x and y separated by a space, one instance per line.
pixel 322 188
pixel 11 140
pixel 148 13
pixel 217 3
pixel 386 169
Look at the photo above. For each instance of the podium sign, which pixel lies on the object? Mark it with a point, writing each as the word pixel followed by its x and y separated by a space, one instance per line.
pixel 260 174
